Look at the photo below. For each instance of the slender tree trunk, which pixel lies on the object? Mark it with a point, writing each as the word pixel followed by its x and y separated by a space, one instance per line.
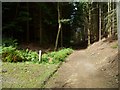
pixel 89 22
pixel 109 18
pixel 59 27
pixel 61 33
pixel 17 8
pixel 118 27
pixel 99 21
pixel 96 22
pixel 28 23
pixel 84 29
pixel 40 27
pixel 113 19
pixel 61 37
pixel 108 12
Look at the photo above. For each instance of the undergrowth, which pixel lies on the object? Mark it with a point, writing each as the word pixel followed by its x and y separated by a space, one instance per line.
pixel 56 56
pixel 12 54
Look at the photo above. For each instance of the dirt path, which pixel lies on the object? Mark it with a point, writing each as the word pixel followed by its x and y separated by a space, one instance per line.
pixel 90 68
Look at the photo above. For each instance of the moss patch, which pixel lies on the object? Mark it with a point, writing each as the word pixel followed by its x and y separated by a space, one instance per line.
pixel 25 75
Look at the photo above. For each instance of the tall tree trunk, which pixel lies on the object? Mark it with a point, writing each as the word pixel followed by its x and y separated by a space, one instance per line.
pixel 89 21
pixel 40 26
pixel 17 9
pixel 27 23
pixel 99 21
pixel 61 37
pixel 85 29
pixel 118 27
pixel 113 19
pixel 109 18
pixel 59 26
pixel 108 12
pixel 61 33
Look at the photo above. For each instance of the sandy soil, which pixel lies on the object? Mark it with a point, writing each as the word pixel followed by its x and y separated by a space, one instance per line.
pixel 94 67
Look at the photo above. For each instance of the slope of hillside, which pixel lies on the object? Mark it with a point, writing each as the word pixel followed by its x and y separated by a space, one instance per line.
pixel 94 67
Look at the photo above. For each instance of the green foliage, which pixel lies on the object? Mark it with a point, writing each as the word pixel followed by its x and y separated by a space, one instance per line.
pixel 11 54
pixel 108 20
pixel 0 50
pixel 9 42
pixel 114 46
pixel 56 57
pixel 31 55
pixel 65 20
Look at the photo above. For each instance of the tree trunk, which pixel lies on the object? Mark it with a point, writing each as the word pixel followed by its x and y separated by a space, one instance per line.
pixel 27 23
pixel 113 19
pixel 61 33
pixel 59 27
pixel 40 26
pixel 89 21
pixel 109 18
pixel 61 38
pixel 110 21
pixel 118 27
pixel 99 21
pixel 85 29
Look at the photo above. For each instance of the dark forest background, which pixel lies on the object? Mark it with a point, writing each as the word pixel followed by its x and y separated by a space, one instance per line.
pixel 59 24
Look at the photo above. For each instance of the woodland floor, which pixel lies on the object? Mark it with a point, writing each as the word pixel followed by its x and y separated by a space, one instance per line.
pixel 94 67
pixel 25 75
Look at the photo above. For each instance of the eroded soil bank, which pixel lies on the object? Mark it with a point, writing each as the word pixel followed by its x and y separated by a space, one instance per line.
pixel 94 67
